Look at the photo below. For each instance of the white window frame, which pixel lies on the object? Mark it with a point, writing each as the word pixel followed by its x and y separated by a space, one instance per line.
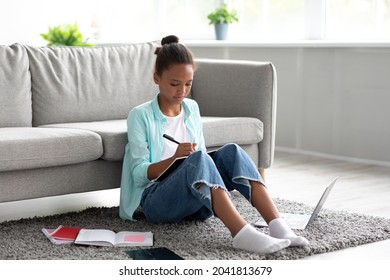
pixel 315 17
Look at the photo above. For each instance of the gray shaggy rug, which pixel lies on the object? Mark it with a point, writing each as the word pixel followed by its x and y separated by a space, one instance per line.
pixel 209 240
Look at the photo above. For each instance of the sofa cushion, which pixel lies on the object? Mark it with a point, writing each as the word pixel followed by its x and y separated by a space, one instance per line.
pixel 30 147
pixel 217 131
pixel 242 131
pixel 79 84
pixel 15 87
pixel 113 134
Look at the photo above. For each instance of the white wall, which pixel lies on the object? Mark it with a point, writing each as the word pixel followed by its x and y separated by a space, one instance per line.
pixel 332 100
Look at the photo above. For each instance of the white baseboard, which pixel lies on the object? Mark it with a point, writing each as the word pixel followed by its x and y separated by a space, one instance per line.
pixel 335 157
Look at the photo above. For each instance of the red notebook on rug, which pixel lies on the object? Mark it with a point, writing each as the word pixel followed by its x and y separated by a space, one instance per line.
pixel 61 235
pixel 65 233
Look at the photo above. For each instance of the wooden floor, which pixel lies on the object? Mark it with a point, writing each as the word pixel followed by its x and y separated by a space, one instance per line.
pixel 361 188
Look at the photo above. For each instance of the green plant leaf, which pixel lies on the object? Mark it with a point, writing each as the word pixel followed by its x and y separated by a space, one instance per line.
pixel 222 15
pixel 65 35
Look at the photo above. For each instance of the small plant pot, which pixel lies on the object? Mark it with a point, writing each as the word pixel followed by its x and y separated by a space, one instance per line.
pixel 221 31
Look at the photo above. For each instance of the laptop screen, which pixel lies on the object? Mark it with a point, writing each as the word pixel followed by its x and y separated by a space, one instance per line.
pixel 322 201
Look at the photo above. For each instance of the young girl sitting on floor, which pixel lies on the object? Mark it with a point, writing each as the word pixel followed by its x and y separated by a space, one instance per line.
pixel 199 187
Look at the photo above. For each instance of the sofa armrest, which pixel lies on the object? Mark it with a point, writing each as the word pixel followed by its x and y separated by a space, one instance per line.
pixel 235 88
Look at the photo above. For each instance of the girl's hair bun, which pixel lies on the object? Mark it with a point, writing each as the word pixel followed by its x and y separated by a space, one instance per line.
pixel 172 52
pixel 169 39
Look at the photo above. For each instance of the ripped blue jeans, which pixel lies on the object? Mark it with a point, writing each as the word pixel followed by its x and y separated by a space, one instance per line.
pixel 186 193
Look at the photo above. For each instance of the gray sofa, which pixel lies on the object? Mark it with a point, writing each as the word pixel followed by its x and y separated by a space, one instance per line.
pixel 63 113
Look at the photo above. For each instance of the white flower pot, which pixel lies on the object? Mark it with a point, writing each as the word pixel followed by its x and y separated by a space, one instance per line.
pixel 221 31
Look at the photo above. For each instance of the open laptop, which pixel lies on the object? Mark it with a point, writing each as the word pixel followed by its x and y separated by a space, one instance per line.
pixel 301 221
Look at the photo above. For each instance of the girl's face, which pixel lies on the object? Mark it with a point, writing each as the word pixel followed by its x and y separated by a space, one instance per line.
pixel 174 84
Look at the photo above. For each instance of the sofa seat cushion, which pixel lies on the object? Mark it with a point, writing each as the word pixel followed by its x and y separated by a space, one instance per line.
pixel 217 131
pixel 113 134
pixel 242 131
pixel 31 147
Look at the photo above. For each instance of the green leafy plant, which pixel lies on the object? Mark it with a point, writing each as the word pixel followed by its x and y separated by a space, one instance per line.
pixel 222 15
pixel 65 35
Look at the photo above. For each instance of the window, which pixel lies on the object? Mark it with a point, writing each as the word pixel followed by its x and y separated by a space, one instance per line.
pixel 135 20
pixel 265 19
pixel 124 21
pixel 358 19
pixel 258 19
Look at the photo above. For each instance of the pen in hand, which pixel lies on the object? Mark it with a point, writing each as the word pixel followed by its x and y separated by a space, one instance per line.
pixel 171 139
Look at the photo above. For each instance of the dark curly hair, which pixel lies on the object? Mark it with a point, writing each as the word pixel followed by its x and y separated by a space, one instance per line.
pixel 172 52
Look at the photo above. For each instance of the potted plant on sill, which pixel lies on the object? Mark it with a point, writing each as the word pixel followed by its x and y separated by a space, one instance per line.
pixel 221 17
pixel 65 35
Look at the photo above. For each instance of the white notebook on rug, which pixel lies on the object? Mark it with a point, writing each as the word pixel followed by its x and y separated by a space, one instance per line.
pixel 301 221
pixel 105 237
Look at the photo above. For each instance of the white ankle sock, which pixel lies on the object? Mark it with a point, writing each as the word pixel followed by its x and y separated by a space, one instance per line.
pixel 278 228
pixel 248 238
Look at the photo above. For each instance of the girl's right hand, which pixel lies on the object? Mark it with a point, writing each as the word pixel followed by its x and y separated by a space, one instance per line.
pixel 185 149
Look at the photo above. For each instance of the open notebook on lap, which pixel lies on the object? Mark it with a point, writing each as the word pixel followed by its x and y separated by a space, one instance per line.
pixel 301 221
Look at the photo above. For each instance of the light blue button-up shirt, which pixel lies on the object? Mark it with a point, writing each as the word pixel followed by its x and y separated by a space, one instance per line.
pixel 145 129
